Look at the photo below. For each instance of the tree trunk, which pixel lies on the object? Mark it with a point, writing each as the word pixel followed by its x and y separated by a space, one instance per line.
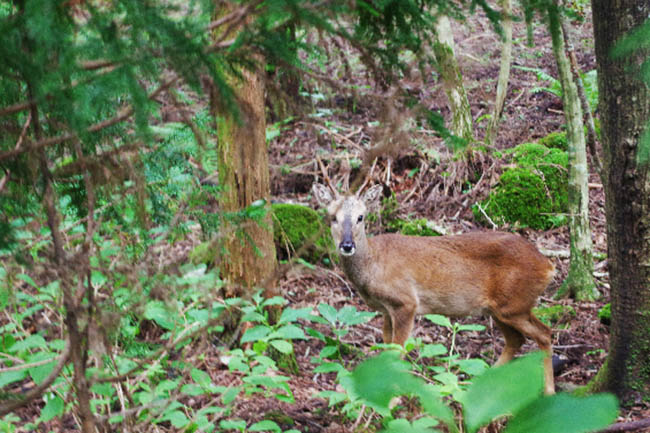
pixel 504 72
pixel 443 49
pixel 624 107
pixel 249 259
pixel 579 282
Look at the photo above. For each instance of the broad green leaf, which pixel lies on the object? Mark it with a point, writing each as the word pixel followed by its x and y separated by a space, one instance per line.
pixel 201 377
pixel 328 312
pixel 503 390
pixel 403 426
pixel 11 376
pixel 432 350
pixel 283 346
pixel 33 341
pixel 291 315
pixel 439 320
pixel 265 425
pixel 471 327
pixel 159 313
pixel 235 424
pixel 192 389
pixel 329 367
pixel 253 316
pixel 40 373
pixel 176 417
pixel 350 316
pixel 432 403
pixel 472 366
pixel 328 351
pixel 255 333
pixel 53 407
pixel 291 332
pixel 564 413
pixel 276 300
pixel 230 395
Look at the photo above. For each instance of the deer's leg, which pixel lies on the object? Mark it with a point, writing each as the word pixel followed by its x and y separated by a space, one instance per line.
pixel 402 319
pixel 531 327
pixel 388 329
pixel 514 339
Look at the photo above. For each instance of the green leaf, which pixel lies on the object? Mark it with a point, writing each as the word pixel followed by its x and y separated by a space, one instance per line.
pixel 265 425
pixel 564 413
pixel 472 366
pixel 292 315
pixel 276 300
pixel 33 341
pixel 503 390
pixel 439 320
pixel 329 367
pixel 235 424
pixel 350 316
pixel 53 407
pixel 176 417
pixel 291 332
pixel 283 346
pixel 230 395
pixel 328 312
pixel 11 376
pixel 255 334
pixel 40 373
pixel 201 377
pixel 471 327
pixel 431 350
pixel 158 313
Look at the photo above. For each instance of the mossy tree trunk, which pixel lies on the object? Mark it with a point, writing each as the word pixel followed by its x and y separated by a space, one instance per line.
pixel 624 108
pixel 504 72
pixel 249 260
pixel 579 282
pixel 443 48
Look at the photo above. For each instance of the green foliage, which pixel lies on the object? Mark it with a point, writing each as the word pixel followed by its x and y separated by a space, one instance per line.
pixel 555 140
pixel 514 390
pixel 554 314
pixel 605 314
pixel 533 193
pixel 297 228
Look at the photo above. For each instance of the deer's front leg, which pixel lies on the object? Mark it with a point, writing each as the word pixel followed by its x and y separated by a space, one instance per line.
pixel 388 329
pixel 402 320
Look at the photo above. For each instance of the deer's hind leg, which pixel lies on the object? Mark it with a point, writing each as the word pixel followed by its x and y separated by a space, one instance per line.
pixel 513 342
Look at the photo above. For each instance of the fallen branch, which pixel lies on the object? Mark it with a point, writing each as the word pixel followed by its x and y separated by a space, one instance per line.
pixel 627 426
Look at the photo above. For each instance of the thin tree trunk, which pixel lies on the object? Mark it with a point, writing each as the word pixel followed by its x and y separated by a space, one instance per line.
pixel 504 72
pixel 624 104
pixel 443 48
pixel 579 282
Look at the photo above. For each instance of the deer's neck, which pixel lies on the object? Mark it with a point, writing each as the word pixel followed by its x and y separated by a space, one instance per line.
pixel 357 266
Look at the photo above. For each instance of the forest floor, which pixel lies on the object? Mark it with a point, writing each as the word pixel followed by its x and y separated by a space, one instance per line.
pixel 433 192
pixel 430 183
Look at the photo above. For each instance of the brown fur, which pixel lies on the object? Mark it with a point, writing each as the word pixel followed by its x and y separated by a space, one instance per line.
pixel 499 274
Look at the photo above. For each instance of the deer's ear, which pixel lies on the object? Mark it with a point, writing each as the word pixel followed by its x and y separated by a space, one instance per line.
pixel 322 194
pixel 372 195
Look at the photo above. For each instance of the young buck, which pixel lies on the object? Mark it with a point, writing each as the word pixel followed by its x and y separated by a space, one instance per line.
pixel 499 274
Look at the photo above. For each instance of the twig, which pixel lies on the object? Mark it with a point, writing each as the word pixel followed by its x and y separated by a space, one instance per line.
pixel 494 226
pixel 5 178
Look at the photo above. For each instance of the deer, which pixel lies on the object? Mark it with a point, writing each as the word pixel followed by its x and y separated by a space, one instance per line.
pixel 477 273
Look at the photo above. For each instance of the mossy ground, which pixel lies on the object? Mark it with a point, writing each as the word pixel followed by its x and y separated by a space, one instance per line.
pixel 533 193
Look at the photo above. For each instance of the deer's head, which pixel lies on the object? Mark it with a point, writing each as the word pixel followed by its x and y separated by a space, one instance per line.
pixel 347 214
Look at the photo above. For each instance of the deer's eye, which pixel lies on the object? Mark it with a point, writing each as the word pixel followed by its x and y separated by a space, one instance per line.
pixel 360 218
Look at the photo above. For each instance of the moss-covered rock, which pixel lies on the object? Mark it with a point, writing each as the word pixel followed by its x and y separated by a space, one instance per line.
pixel 533 193
pixel 413 227
pixel 555 140
pixel 295 227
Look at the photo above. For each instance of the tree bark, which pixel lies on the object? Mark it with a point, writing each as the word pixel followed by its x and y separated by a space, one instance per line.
pixel 579 282
pixel 249 260
pixel 624 105
pixel 443 49
pixel 504 72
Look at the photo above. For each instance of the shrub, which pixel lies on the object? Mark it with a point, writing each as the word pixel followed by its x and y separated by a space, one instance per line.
pixel 295 227
pixel 555 140
pixel 605 314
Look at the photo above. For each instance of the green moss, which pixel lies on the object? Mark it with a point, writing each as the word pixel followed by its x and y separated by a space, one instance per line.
pixel 605 314
pixel 555 140
pixel 554 314
pixel 533 193
pixel 295 227
pixel 416 227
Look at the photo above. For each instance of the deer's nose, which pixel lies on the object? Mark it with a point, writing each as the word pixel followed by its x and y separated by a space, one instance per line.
pixel 347 247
